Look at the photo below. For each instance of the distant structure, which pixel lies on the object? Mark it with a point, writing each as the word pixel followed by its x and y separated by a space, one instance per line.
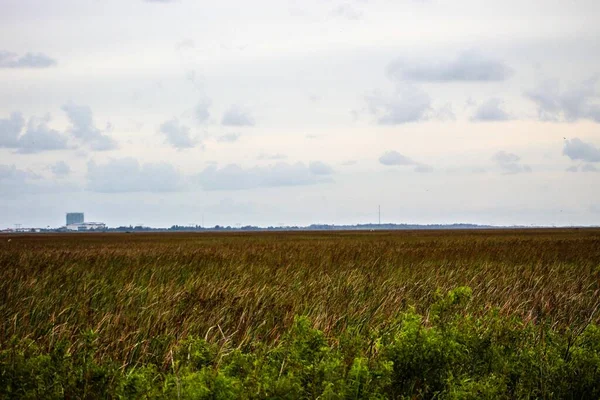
pixel 87 226
pixel 74 218
pixel 76 222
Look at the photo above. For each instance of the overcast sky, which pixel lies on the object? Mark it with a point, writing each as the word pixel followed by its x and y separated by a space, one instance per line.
pixel 293 112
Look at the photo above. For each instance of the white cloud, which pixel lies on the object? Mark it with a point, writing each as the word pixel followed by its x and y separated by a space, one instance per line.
pixel 394 158
pixel 579 101
pixel 60 169
pixel 347 11
pixel 177 135
pixel 10 129
pixel 577 149
pixel 83 128
pixel 228 138
pixel 234 177
pixel 127 175
pixel 589 168
pixel 510 163
pixel 277 156
pixel 491 111
pixel 202 110
pixel 320 168
pixel 468 66
pixel 39 137
pixel 237 116
pixel 407 104
pixel 28 60
pixel 36 138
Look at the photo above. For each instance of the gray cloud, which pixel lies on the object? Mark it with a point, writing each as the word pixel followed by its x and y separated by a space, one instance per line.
pixel 10 173
pixel 39 137
pixel 60 169
pixel 277 156
pixel 177 135
pixel 422 168
pixel 491 110
pixel 320 168
pixel 29 60
pixel 234 177
pixel 394 158
pixel 201 112
pixel 510 163
pixel 83 128
pixel 127 175
pixel 14 180
pixel 407 104
pixel 579 101
pixel 228 138
pixel 572 168
pixel 10 129
pixel 36 138
pixel 444 113
pixel 576 149
pixel 237 116
pixel 589 168
pixel 469 66
pixel 347 11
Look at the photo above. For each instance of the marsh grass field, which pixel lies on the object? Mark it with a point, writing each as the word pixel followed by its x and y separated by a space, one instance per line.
pixel 402 314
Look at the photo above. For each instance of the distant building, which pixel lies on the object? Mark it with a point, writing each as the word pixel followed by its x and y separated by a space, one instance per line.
pixel 87 226
pixel 74 218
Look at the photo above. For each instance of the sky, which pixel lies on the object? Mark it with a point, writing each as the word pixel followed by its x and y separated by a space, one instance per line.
pixel 294 112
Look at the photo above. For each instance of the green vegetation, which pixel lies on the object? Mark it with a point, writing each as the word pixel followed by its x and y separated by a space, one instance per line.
pixel 466 314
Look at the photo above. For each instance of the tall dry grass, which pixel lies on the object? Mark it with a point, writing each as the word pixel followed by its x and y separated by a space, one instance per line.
pixel 142 293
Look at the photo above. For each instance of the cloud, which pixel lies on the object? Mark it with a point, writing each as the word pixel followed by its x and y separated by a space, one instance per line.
pixel 347 11
pixel 39 137
pixel 422 168
pixel 60 169
pixel 407 104
pixel 576 149
pixel 201 112
pixel 177 135
pixel 14 180
pixel 82 127
pixel 234 177
pixel 10 129
pixel 127 175
pixel 589 168
pixel 444 113
pixel 228 138
pixel 36 138
pixel 29 60
pixel 320 168
pixel 394 158
pixel 577 102
pixel 277 156
pixel 573 168
pixel 491 110
pixel 237 116
pixel 10 173
pixel 468 66
pixel 510 163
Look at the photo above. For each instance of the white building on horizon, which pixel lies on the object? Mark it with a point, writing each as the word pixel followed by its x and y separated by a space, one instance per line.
pixel 87 226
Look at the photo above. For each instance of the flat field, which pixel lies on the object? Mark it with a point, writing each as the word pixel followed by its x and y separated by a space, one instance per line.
pixel 497 313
